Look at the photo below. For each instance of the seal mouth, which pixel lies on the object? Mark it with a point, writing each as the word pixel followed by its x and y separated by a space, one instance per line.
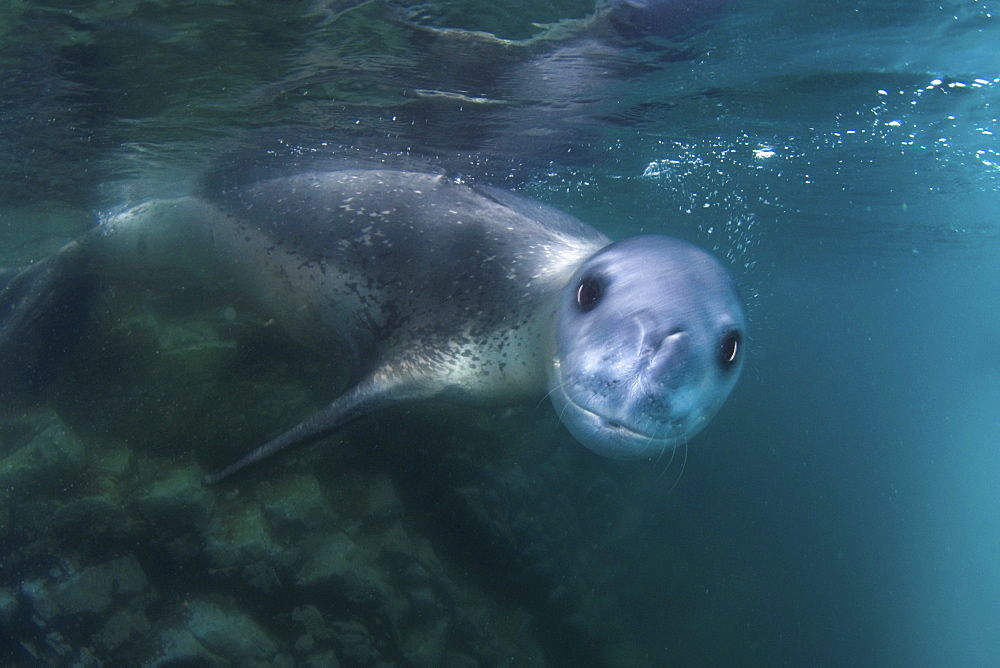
pixel 612 437
pixel 612 434
pixel 620 427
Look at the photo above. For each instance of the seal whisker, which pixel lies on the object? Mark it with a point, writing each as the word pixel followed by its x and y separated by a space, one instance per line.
pixel 557 386
pixel 663 448
pixel 563 411
pixel 680 474
pixel 673 453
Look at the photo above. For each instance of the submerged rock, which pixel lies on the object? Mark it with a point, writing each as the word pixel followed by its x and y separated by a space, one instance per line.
pixel 322 660
pixel 128 623
pixel 92 590
pixel 383 503
pixel 8 605
pixel 240 536
pixel 355 643
pixel 422 601
pixel 38 452
pixel 294 505
pixel 94 519
pixel 425 648
pixel 230 634
pixel 312 619
pixel 178 500
pixel 360 566
pixel 179 647
pixel 458 660
pixel 342 565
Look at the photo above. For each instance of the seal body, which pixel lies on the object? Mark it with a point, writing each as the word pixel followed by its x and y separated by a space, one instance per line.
pixel 457 286
pixel 435 288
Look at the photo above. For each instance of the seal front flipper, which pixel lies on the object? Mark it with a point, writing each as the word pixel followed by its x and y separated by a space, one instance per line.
pixel 369 395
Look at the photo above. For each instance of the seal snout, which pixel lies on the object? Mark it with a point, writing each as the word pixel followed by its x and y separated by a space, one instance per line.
pixel 665 358
pixel 656 348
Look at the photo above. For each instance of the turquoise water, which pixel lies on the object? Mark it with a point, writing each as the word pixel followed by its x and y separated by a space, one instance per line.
pixel 842 157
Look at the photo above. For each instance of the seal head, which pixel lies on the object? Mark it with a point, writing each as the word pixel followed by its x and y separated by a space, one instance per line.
pixel 649 343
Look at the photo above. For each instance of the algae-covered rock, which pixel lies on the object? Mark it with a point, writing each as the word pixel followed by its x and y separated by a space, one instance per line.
pixel 383 503
pixel 197 342
pixel 127 623
pixel 312 619
pixel 239 536
pixel 322 660
pixel 396 542
pixel 422 602
pixel 112 461
pixel 424 648
pixel 92 517
pixel 294 504
pixel 179 647
pixel 459 660
pixel 8 605
pixel 261 575
pixel 40 520
pixel 178 500
pixel 92 590
pixel 317 634
pixel 230 634
pixel 339 563
pixel 355 643
pixel 38 453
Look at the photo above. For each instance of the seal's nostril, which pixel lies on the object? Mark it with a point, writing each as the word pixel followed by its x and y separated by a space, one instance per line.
pixel 654 337
pixel 659 346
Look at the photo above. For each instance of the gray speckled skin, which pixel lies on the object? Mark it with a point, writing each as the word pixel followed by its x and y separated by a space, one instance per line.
pixel 433 287
pixel 440 289
pixel 457 282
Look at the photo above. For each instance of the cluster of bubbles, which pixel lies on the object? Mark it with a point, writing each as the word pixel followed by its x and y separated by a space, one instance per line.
pixel 718 173
pixel 942 134
pixel 958 129
pixel 946 127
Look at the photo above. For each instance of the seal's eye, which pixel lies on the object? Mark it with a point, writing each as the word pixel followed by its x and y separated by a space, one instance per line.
pixel 729 349
pixel 588 293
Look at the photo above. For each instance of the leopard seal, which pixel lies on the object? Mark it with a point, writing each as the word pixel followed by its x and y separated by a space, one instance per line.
pixel 436 288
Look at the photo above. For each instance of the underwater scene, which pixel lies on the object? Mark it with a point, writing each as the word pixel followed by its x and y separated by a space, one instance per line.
pixel 491 438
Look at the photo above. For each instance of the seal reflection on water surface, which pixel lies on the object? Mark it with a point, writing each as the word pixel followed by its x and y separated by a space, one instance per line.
pixel 440 289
